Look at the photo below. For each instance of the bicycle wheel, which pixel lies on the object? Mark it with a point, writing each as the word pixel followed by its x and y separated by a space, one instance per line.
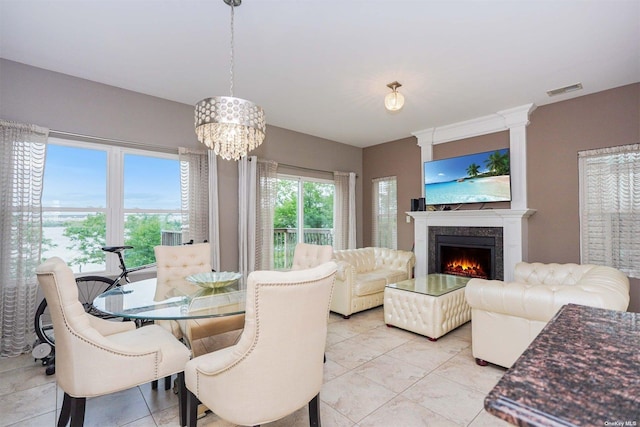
pixel 89 287
pixel 43 324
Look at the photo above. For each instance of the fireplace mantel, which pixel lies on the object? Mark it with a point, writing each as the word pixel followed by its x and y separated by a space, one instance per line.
pixel 512 221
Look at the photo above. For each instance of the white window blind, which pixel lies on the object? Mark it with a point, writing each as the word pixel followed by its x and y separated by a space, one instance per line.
pixel 385 213
pixel 610 207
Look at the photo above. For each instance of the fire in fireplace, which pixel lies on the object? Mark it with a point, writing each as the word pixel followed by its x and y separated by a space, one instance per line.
pixel 466 251
pixel 468 262
pixel 469 256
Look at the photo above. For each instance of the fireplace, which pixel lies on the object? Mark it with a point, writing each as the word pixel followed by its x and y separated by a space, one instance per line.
pixel 466 251
pixel 467 256
pixel 508 226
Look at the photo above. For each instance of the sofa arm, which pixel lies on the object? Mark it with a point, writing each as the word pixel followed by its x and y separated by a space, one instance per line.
pixel 395 259
pixel 343 288
pixel 344 270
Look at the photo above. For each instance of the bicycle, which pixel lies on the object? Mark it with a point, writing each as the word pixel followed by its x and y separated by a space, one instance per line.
pixel 89 287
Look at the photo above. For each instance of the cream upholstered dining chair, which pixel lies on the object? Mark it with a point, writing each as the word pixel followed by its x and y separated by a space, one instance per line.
pixel 174 264
pixel 94 356
pixel 307 255
pixel 276 367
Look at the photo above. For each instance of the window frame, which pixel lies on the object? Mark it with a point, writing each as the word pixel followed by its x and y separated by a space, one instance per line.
pixel 607 217
pixel 114 210
pixel 376 224
pixel 300 212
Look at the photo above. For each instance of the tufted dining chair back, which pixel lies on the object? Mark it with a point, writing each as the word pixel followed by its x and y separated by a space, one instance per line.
pixel 307 255
pixel 174 264
pixel 277 365
pixel 95 356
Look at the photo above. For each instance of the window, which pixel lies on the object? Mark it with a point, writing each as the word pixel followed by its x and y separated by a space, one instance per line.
pixel 610 207
pixel 96 195
pixel 303 213
pixel 385 213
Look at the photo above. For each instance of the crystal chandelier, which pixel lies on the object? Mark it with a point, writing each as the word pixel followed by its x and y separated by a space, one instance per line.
pixel 230 126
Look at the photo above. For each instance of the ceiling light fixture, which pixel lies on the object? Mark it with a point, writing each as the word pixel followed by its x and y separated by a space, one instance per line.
pixel 394 100
pixel 230 126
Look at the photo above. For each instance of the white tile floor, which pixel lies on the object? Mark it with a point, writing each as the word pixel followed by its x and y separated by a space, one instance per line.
pixel 374 376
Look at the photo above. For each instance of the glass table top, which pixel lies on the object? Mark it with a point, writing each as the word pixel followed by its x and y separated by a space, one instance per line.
pixel 149 299
pixel 432 284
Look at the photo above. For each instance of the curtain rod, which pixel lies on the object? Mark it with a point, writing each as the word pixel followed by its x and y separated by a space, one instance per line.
pixel 111 141
pixel 304 168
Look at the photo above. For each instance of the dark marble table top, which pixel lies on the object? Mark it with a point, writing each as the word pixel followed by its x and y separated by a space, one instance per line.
pixel 583 369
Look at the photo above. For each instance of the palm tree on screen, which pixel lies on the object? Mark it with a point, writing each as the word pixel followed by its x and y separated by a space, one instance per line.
pixel 498 164
pixel 473 170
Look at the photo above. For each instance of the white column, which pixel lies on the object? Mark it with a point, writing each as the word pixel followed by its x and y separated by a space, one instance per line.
pixel 425 141
pixel 516 120
pixel 421 245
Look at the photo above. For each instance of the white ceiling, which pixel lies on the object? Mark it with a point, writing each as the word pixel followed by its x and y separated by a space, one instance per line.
pixel 321 66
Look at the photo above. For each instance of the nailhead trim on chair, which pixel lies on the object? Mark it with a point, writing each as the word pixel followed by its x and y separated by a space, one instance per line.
pixel 257 310
pixel 74 334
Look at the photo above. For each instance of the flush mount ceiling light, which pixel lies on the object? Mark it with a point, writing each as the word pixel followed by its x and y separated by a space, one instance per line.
pixel 394 100
pixel 230 126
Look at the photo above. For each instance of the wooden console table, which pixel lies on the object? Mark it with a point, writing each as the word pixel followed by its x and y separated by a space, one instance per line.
pixel 583 369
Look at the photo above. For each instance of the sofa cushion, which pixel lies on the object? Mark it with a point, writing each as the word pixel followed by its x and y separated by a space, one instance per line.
pixel 392 276
pixel 368 283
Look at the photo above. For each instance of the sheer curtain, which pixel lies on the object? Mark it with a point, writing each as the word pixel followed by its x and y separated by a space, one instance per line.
pixel 344 210
pixel 257 180
pixel 247 215
pixel 199 191
pixel 384 227
pixel 610 207
pixel 267 180
pixel 22 155
pixel 214 212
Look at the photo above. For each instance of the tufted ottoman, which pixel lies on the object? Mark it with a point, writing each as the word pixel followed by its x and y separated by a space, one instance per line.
pixel 430 306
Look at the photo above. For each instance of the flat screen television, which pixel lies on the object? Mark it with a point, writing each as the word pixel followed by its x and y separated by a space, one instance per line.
pixel 473 178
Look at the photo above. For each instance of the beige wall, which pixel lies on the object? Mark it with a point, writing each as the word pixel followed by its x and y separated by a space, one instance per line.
pixel 70 104
pixel 556 133
pixel 400 159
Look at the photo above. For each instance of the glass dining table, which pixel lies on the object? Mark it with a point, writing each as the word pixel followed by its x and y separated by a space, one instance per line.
pixel 153 300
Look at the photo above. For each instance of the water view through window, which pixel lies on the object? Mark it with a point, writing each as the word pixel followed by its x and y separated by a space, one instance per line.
pixel 97 195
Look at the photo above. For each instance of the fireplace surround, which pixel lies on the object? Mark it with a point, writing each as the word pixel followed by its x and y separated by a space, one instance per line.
pixel 512 222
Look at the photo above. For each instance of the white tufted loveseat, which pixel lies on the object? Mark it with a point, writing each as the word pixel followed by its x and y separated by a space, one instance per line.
pixel 507 316
pixel 363 274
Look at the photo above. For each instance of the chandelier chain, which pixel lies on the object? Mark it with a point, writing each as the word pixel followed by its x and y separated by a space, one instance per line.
pixel 232 58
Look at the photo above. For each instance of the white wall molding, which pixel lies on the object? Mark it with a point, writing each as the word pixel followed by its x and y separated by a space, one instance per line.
pixel 513 119
pixel 500 121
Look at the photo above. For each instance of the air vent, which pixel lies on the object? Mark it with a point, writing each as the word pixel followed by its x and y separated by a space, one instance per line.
pixel 565 89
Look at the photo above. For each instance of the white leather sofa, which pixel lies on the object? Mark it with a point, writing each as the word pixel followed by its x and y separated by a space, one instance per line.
pixel 363 274
pixel 507 316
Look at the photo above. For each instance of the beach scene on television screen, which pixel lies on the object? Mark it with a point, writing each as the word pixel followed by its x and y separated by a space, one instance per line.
pixel 474 178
